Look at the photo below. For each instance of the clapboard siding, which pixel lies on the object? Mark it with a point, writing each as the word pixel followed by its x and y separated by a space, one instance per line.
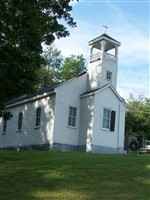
pixel 107 99
pixel 30 134
pixel 86 122
pixel 112 67
pixel 68 95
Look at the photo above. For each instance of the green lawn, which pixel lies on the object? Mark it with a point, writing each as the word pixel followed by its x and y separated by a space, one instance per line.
pixel 73 176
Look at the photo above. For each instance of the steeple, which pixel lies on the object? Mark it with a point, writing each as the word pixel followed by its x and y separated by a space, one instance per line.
pixel 103 62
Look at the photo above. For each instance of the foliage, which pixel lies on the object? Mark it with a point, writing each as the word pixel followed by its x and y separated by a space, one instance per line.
pixel 58 69
pixel 72 66
pixel 24 26
pixel 6 114
pixel 72 176
pixel 138 117
pixel 49 73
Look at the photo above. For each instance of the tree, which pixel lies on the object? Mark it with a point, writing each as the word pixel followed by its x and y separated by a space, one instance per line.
pixel 57 68
pixel 138 117
pixel 49 74
pixel 72 66
pixel 24 26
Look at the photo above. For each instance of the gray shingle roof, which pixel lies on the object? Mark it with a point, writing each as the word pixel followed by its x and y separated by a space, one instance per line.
pixel 28 96
pixel 100 38
pixel 38 92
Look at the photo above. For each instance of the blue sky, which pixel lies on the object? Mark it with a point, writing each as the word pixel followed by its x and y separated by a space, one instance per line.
pixel 128 22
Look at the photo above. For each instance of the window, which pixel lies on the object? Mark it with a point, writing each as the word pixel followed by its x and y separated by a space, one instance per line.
pixel 72 117
pixel 38 117
pixel 4 125
pixel 20 118
pixel 106 118
pixel 109 119
pixel 109 75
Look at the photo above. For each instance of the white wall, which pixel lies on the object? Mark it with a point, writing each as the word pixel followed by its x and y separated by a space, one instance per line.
pixel 30 134
pixel 107 99
pixel 86 122
pixel 97 73
pixel 68 95
pixel 94 74
pixel 111 66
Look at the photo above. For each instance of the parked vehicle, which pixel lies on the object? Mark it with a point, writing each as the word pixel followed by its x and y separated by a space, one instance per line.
pixel 146 147
pixel 131 144
pixel 147 144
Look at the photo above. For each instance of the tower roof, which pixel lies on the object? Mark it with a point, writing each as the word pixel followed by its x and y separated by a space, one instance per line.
pixel 104 37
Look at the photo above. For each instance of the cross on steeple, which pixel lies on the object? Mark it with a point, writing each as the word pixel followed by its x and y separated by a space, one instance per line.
pixel 105 28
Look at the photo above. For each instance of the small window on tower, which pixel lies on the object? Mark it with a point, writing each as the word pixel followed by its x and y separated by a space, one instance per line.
pixel 109 75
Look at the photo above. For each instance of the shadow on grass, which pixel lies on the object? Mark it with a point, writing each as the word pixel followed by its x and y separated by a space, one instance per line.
pixel 73 176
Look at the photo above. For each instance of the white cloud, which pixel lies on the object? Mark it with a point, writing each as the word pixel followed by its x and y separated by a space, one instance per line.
pixel 134 46
pixel 134 42
pixel 77 42
pixel 73 3
pixel 134 50
pixel 136 82
pixel 135 87
pixel 132 32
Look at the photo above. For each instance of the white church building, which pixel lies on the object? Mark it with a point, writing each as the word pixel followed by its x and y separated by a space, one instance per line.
pixel 85 113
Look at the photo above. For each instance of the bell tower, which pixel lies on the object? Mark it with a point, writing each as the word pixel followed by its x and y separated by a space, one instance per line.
pixel 103 62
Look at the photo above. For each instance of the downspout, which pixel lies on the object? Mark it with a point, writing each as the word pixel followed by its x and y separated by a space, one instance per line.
pixel 118 129
pixel 1 133
pixel 1 144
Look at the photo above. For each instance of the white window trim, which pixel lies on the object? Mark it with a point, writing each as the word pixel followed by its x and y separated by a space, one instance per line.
pixel 103 128
pixel 19 130
pixel 112 120
pixel 37 126
pixel 4 132
pixel 73 127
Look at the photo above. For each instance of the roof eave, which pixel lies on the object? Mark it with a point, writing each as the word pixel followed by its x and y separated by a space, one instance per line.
pixel 29 99
pixel 104 37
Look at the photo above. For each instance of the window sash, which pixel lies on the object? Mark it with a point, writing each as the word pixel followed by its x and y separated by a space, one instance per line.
pixel 72 117
pixel 4 126
pixel 71 121
pixel 38 117
pixel 106 118
pixel 109 75
pixel 109 119
pixel 72 112
pixel 20 117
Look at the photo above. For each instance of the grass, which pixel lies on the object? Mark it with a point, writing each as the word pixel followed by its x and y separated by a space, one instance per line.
pixel 73 176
